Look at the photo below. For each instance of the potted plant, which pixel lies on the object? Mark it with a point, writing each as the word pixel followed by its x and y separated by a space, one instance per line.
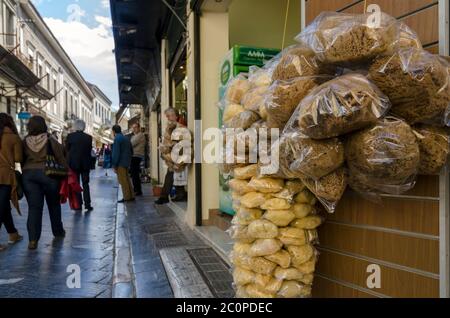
pixel 157 189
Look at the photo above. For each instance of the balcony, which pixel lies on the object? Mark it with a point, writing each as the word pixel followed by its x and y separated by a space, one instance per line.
pixel 10 42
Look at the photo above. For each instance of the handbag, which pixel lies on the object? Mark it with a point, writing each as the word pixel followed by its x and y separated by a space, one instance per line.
pixel 53 168
pixel 18 176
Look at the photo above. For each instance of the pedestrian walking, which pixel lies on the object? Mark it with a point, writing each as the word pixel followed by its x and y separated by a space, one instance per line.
pixel 10 153
pixel 138 143
pixel 121 160
pixel 79 148
pixel 43 160
pixel 107 157
pixel 181 195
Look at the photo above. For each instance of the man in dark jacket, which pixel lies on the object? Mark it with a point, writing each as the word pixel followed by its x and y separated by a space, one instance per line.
pixel 122 153
pixel 79 147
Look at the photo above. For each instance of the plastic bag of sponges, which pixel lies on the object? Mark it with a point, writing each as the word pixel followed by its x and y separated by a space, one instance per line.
pixel 345 39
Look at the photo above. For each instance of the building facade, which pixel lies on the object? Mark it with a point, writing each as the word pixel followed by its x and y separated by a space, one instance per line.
pixel 101 116
pixel 44 79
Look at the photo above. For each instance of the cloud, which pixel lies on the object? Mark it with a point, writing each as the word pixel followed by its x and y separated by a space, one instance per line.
pixel 105 21
pixel 105 4
pixel 91 51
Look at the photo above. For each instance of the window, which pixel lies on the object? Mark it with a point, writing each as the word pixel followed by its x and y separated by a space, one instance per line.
pixel 10 27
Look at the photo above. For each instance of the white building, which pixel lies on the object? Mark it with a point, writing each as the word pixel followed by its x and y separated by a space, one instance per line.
pixel 48 60
pixel 102 116
pixel 37 76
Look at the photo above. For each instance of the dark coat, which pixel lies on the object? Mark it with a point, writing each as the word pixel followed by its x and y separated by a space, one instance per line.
pixel 79 147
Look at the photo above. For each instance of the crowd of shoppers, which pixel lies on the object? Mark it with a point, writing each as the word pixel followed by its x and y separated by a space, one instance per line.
pixel 46 165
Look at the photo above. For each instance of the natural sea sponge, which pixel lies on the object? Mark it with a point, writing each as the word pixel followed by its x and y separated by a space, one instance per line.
pixel 302 209
pixel 261 265
pixel 296 61
pixel 264 247
pixel 288 274
pixel 243 120
pixel 284 96
pixel 240 233
pixel 340 106
pixel 314 158
pixel 254 98
pixel 383 157
pixel 300 254
pixel 244 216
pixel 266 184
pixel 241 187
pixel 245 173
pixel 236 89
pixel 242 276
pixel 275 204
pixel 417 84
pixel 330 188
pixel 262 229
pixel 242 248
pixel 434 148
pixel 231 111
pixel 282 258
pixel 346 39
pixel 307 223
pixel 280 217
pixel 294 186
pixel 256 291
pixel 294 289
pixel 305 196
pixel 252 200
pixel 292 236
pixel 307 267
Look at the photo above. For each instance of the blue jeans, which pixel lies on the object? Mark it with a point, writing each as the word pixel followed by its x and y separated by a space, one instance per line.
pixel 39 188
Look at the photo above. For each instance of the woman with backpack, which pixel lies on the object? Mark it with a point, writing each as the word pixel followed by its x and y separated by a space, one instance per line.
pixel 40 179
pixel 10 153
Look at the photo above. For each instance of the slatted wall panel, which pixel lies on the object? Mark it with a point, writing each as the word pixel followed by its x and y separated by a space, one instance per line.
pixel 402 234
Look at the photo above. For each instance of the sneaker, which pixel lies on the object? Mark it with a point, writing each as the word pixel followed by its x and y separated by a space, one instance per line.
pixel 162 201
pixel 89 209
pixel 61 236
pixel 14 238
pixel 180 198
pixel 33 245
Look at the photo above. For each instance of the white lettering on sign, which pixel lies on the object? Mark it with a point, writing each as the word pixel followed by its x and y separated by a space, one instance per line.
pixel 374 279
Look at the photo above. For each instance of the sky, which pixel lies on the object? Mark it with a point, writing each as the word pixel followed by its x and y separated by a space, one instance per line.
pixel 83 27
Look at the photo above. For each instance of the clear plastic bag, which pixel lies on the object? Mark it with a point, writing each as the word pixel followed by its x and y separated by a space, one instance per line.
pixel 242 276
pixel 434 145
pixel 383 158
pixel 275 204
pixel 245 216
pixel 246 173
pixel 260 77
pixel 340 106
pixel 236 89
pixel 290 273
pixel 283 97
pixel 309 266
pixel 313 158
pixel 241 187
pixel 302 210
pixel 253 200
pixel 282 258
pixel 301 254
pixel 293 236
pixel 262 266
pixel 279 217
pixel 306 197
pixel 346 39
pixel 296 61
pixel 294 289
pixel 231 111
pixel 255 99
pixel 266 184
pixel 262 229
pixel 264 247
pixel 295 186
pixel 329 189
pixel 243 120
pixel 417 83
pixel 240 233
pixel 310 222
pixel 256 291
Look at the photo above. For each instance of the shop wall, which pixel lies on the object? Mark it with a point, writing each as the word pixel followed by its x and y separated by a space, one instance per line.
pixel 401 236
pixel 214 46
pixel 261 22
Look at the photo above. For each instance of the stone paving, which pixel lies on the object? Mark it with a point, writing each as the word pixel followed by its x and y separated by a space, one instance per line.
pixel 88 243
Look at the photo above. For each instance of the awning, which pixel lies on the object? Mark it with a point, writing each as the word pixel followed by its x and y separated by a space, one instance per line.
pixel 12 68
